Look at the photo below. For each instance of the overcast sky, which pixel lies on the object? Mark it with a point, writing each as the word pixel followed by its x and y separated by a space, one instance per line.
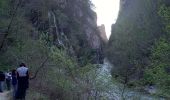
pixel 107 12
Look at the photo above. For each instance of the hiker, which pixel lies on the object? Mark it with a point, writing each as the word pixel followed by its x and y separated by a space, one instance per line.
pixel 23 81
pixel 8 80
pixel 14 83
pixel 2 79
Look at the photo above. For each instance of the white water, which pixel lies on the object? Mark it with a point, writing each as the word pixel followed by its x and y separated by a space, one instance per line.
pixel 113 90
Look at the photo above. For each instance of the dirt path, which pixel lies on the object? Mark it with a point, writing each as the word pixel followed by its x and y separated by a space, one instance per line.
pixel 5 95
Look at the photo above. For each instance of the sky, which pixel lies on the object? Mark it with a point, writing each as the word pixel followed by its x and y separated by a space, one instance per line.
pixel 107 12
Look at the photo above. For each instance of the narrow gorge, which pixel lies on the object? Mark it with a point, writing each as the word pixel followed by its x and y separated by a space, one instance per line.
pixel 70 57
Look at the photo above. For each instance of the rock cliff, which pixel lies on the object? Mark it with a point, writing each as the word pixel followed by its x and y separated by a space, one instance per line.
pixel 137 27
pixel 102 33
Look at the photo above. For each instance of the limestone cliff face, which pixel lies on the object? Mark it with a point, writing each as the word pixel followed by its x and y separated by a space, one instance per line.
pixel 94 39
pixel 102 33
pixel 122 3
pixel 84 29
pixel 141 15
pixel 92 32
pixel 88 23
pixel 72 24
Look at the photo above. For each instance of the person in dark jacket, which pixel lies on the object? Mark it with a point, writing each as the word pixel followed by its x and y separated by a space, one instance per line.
pixel 23 81
pixel 14 83
pixel 2 79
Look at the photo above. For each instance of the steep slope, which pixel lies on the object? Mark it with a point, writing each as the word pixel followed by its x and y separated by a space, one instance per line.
pixel 57 39
pixel 139 45
pixel 71 27
pixel 133 35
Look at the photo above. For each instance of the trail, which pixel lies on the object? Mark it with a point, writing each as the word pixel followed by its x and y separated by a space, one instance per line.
pixel 5 95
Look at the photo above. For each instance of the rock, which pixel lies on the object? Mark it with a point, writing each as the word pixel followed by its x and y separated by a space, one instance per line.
pixel 102 33
pixel 7 95
pixel 150 89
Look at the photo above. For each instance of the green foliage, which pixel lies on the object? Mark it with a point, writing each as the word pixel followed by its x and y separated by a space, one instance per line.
pixel 3 6
pixel 159 73
pixel 4 67
pixel 62 58
pixel 164 12
pixel 4 13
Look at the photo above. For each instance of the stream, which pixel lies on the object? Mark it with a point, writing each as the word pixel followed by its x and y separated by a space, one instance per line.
pixel 114 90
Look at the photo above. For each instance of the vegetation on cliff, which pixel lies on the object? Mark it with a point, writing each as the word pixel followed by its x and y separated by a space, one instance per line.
pixel 55 38
pixel 139 44
pixel 60 43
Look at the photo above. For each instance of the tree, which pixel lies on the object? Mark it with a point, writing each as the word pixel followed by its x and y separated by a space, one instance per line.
pixel 159 73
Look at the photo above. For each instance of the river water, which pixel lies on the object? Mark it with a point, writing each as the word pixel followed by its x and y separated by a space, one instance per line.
pixel 113 90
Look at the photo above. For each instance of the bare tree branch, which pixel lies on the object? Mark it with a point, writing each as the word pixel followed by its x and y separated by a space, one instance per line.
pixel 10 24
pixel 39 68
